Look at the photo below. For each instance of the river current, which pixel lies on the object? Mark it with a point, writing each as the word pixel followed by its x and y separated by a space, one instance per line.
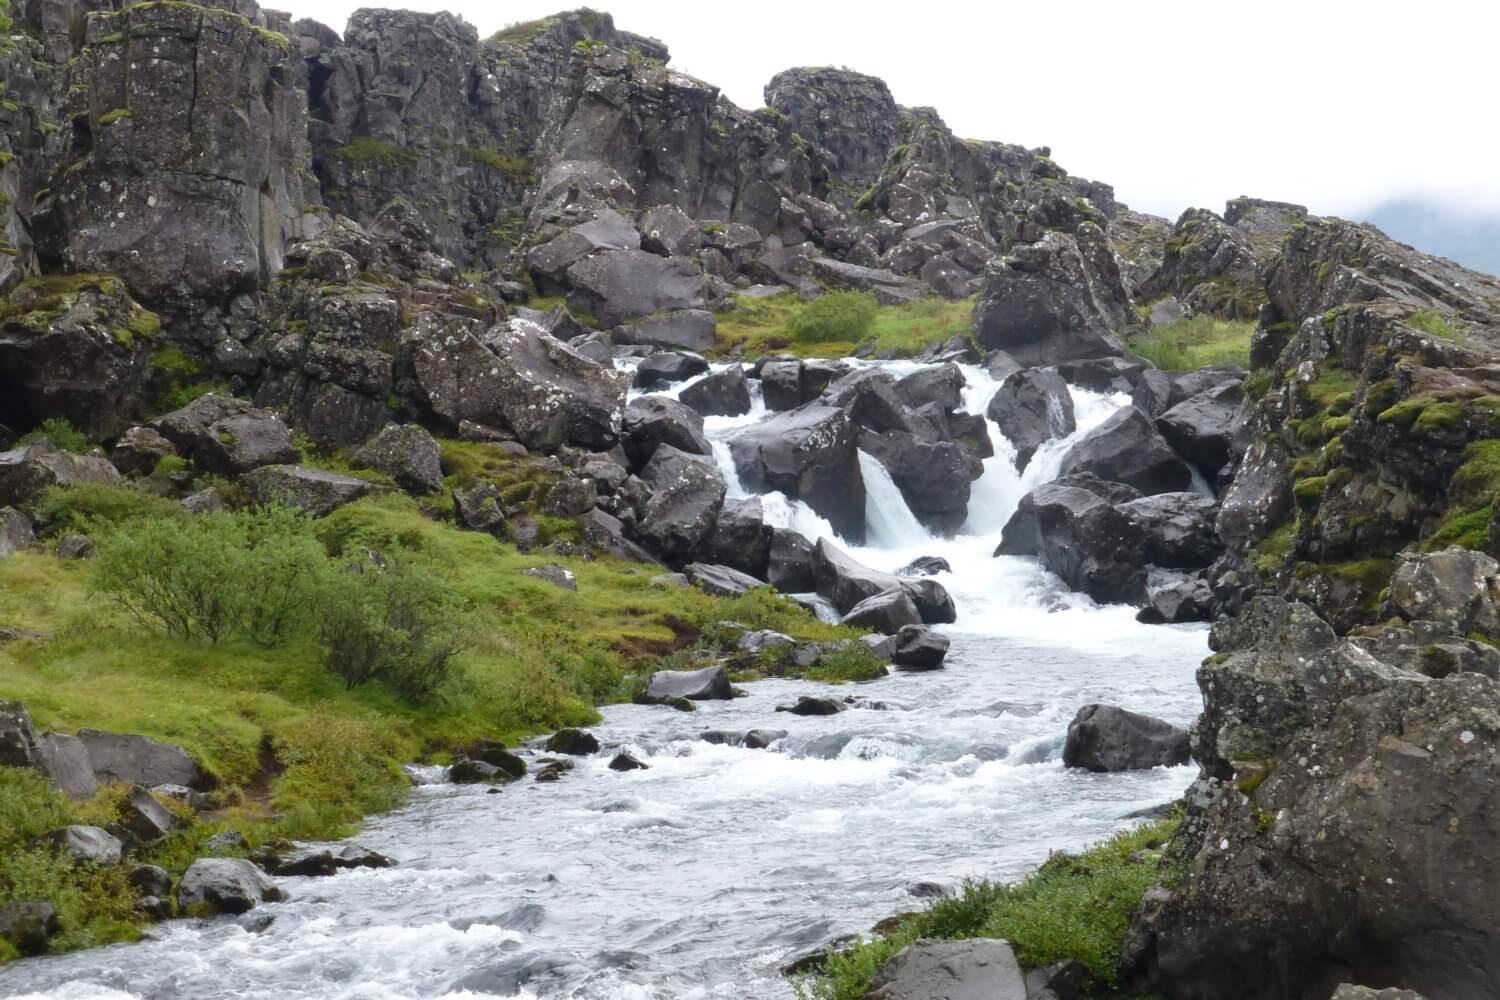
pixel 700 877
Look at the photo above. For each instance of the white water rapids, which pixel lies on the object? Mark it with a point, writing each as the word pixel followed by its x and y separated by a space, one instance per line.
pixel 700 877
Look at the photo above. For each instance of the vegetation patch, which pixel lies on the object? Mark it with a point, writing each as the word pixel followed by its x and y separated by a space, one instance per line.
pixel 1073 907
pixel 523 31
pixel 1431 322
pixel 366 151
pixel 60 434
pixel 1196 342
pixel 771 325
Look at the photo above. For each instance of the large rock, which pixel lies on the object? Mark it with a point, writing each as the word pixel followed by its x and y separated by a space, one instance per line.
pixel 1032 407
pixel 940 384
pixel 687 492
pixel 721 581
pixel 16 532
pixel 708 684
pixel 812 455
pixel 604 531
pixel 667 367
pixel 723 394
pixel 740 538
pixel 845 582
pixel 689 329
pixel 312 491
pixel 973 969
pixel 623 285
pixel 1058 299
pixel 919 648
pixel 887 612
pixel 1084 539
pixel 1157 391
pixel 1179 528
pixel 1107 738
pixel 519 377
pixel 655 420
pixel 1457 588
pixel 139 760
pixel 791 562
pixel 225 885
pixel 406 453
pixel 1202 428
pixel 1022 535
pixel 228 436
pixel 28 927
pixel 933 477
pixel 27 472
pixel 1127 448
pixel 87 845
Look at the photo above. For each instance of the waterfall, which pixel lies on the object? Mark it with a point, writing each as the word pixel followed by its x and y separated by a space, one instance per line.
pixel 889 522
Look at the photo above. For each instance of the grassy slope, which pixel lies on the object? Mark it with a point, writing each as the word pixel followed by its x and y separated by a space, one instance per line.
pixel 1196 343
pixel 759 326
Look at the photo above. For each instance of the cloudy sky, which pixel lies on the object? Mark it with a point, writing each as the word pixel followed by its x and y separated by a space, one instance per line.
pixel 1335 104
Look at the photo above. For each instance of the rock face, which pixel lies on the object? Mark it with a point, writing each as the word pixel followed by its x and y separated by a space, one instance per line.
pixel 811 455
pixel 1127 448
pixel 708 684
pixel 1322 763
pixel 138 760
pixel 976 969
pixel 1107 738
pixel 1083 538
pixel 408 454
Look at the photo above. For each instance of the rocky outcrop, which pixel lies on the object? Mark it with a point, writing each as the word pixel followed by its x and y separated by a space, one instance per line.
pixel 1322 763
pixel 812 455
pixel 1127 448
pixel 1083 538
pixel 1210 267
pixel 28 471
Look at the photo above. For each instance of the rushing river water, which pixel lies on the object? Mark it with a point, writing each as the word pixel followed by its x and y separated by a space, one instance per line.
pixel 700 877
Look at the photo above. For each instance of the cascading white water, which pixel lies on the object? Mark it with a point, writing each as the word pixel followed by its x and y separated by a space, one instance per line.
pixel 698 878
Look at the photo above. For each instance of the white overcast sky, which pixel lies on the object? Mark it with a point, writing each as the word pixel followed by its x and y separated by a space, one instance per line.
pixel 1338 105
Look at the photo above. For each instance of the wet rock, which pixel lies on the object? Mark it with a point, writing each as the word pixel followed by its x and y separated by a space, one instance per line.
pixel 473 772
pixel 626 761
pixel 687 493
pixel 139 760
pixel 919 648
pixel 1032 407
pixel 495 753
pixel 327 863
pixel 87 844
pixel 27 472
pixel 689 329
pixel 1158 391
pixel 1083 538
pixel 761 739
pixel 933 477
pixel 791 562
pixel 940 384
pixel 1185 600
pixel 555 575
pixel 151 880
pixel 1058 299
pixel 974 969
pixel 845 583
pixel 16 533
pixel 1127 448
pixel 925 566
pixel 781 385
pixel 225 885
pixel 1202 428
pixel 721 581
pixel 228 436
pixel 655 420
pixel 519 377
pixel 810 455
pixel 708 684
pixel 1178 527
pixel 29 927
pixel 740 538
pixel 312 491
pixel 575 742
pixel 883 646
pixel 553 771
pixel 724 394
pixel 810 705
pixel 1107 738
pixel 406 453
pixel 668 367
pixel 887 612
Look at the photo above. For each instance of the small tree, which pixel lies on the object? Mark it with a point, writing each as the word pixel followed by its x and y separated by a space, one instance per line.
pixel 181 575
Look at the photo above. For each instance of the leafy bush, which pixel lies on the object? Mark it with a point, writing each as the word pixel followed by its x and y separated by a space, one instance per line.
pixel 93 507
pixel 838 316
pixel 398 623
pixel 60 434
pixel 286 570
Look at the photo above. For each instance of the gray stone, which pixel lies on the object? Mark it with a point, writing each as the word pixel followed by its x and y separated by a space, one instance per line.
pixel 708 684
pixel 1106 738
pixel 919 648
pixel 406 453
pixel 1127 448
pixel 811 455
pixel 887 612
pixel 225 885
pixel 724 394
pixel 721 581
pixel 312 491
pixel 140 760
pixel 689 329
pixel 29 927
pixel 16 534
pixel 87 844
pixel 973 969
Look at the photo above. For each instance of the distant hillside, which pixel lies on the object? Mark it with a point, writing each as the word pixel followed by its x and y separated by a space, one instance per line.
pixel 1470 239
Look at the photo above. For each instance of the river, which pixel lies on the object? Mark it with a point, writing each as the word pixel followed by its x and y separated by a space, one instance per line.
pixel 700 877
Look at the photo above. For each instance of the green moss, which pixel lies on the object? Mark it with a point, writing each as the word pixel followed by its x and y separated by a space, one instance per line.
pixel 276 38
pixel 764 326
pixel 1469 529
pixel 110 117
pixel 513 165
pixel 523 31
pixel 1073 907
pixel 1477 480
pixel 1195 343
pixel 1403 414
pixel 366 150
pixel 1431 322
pixel 1273 551
pixel 1380 397
pixel 1309 492
pixel 1440 418
pixel 1369 576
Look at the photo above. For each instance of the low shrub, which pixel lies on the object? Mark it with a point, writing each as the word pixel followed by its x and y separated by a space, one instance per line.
pixel 838 316
pixel 60 434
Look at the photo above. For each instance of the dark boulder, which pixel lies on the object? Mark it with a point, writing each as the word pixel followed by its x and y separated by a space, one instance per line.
pixel 791 562
pixel 495 754
pixel 1107 374
pixel 312 491
pixel 603 531
pixel 479 508
pixel 781 385
pixel 813 705
pixel 655 420
pixel 474 772
pixel 1178 527
pixel 740 538
pixel 1032 407
pixel 406 453
pixel 940 384
pixel 1180 601
pixel 139 760
pixel 225 885
pixel 761 739
pixel 228 436
pixel 687 492
pixel 723 394
pixel 29 927
pixel 886 612
pixel 27 472
pixel 934 477
pixel 845 582
pixel 568 497
pixel 139 450
pixel 1157 391
pixel 688 329
pixel 811 455
pixel 1456 587
pixel 721 581
pixel 1106 738
pixel 919 648
pixel 627 761
pixel 668 367
pixel 1127 448
pixel 575 742
pixel 625 284
pixel 708 684
pixel 1058 299
pixel 144 818
pixel 325 863
pixel 1202 428
pixel 925 566
pixel 1084 539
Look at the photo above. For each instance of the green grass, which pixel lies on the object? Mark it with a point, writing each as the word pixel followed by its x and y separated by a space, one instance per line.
pixel 1073 907
pixel 1196 342
pixel 364 150
pixel 1273 551
pixel 772 326
pixel 1431 322
pixel 60 434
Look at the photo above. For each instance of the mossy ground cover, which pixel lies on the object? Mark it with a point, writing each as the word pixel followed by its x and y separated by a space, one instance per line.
pixel 1195 342
pixel 1072 907
pixel 300 752
pixel 780 324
